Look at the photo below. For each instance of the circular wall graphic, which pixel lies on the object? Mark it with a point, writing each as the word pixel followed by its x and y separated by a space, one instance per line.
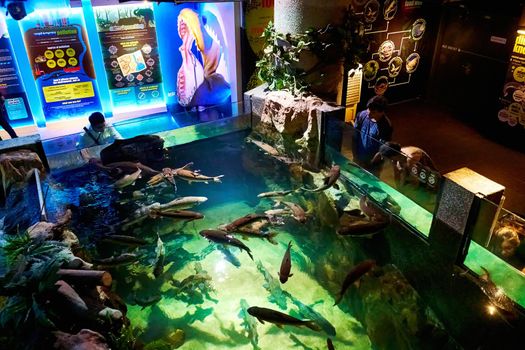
pixel 390 9
pixel 412 62
pixel 371 11
pixel 370 70
pixel 381 85
pixel 418 28
pixel 394 66
pixel 386 49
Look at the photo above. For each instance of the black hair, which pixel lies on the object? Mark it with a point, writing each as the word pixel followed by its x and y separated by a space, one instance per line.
pixel 96 118
pixel 390 149
pixel 377 103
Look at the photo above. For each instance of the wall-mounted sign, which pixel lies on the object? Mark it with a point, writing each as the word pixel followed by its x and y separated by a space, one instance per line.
pixel 60 58
pixel 513 100
pixel 129 47
pixel 11 87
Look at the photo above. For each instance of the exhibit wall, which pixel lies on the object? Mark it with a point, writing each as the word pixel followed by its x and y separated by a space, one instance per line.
pixel 402 36
pixel 126 60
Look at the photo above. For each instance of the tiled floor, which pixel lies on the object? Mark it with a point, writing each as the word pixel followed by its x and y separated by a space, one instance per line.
pixel 453 145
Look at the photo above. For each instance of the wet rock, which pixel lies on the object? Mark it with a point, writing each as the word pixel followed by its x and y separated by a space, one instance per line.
pixel 17 166
pixel 41 230
pixel 83 340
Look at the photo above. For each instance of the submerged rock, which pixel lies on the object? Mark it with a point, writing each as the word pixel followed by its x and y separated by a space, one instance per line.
pixel 176 338
pixel 84 340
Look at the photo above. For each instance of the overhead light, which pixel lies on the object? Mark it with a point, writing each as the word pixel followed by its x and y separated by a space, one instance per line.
pixel 521 31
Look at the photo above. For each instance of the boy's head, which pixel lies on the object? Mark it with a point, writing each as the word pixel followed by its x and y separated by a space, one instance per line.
pixel 377 106
pixel 97 121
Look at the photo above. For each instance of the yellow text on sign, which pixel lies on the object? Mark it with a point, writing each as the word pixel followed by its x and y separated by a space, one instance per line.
pixel 68 92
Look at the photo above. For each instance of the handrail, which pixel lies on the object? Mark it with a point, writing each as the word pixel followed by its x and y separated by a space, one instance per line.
pixel 41 200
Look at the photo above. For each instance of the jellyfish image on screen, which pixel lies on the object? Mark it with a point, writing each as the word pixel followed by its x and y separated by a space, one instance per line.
pixel 201 81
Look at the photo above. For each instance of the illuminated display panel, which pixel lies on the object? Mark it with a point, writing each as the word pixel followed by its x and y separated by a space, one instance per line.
pixel 130 52
pixel 60 59
pixel 198 56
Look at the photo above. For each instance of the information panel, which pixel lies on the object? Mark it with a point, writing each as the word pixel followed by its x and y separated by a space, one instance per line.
pixel 129 47
pixel 61 62
pixel 16 105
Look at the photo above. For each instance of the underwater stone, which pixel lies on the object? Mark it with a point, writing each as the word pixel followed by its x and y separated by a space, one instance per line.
pixel 16 166
pixel 84 340
pixel 177 338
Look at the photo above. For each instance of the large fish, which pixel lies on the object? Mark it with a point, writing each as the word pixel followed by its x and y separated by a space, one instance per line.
pixel 128 179
pixel 223 237
pixel 280 319
pixel 277 295
pixel 124 240
pixel 329 344
pixel 148 301
pixel 193 175
pixel 183 203
pixel 286 265
pixel 355 274
pixel 372 210
pixel 158 269
pixel 126 167
pixel 245 220
pixel 361 228
pixel 274 194
pixel 298 213
pixel 123 259
pixel 264 146
pixel 186 215
pixel 249 324
pixel 329 181
pixel 308 312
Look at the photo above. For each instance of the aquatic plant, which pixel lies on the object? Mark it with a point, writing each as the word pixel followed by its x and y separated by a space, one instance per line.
pixel 127 338
pixel 344 43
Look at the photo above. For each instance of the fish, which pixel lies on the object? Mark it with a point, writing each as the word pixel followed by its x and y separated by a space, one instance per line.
pixel 194 175
pixel 249 324
pixel 329 344
pixel 219 236
pixel 123 259
pixel 355 274
pixel 329 181
pixel 128 179
pixel 158 268
pixel 308 312
pixel 148 301
pixel 362 228
pixel 246 219
pixel 280 319
pixel 183 203
pixel 277 295
pixel 264 146
pixel 274 194
pixel 177 214
pixel 124 240
pixel 372 210
pixel 124 166
pixel 298 213
pixel 248 231
pixel 495 294
pixel 286 265
pixel 277 212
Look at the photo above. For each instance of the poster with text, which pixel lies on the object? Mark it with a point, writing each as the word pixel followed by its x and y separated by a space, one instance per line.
pixel 59 54
pixel 199 60
pixel 129 47
pixel 16 105
pixel 513 100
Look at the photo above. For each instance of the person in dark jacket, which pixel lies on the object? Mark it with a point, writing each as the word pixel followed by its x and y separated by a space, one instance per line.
pixel 4 119
pixel 372 128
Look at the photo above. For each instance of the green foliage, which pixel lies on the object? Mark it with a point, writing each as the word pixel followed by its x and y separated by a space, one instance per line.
pixel 15 246
pixel 126 339
pixel 344 43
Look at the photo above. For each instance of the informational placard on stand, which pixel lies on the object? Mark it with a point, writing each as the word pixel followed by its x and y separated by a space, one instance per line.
pixel 129 47
pixel 60 58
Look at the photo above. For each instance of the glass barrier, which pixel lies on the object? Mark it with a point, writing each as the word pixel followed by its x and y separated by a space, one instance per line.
pixel 404 178
pixel 497 250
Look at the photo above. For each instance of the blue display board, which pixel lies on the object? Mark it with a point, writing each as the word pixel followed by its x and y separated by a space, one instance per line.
pixel 130 51
pixel 16 105
pixel 61 63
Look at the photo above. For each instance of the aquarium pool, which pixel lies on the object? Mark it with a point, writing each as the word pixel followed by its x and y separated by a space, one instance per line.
pixel 199 297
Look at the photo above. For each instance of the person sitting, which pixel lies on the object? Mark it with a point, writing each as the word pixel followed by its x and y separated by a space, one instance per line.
pixel 403 159
pixel 4 119
pixel 97 133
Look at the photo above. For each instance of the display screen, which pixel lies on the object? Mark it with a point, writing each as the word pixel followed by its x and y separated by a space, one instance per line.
pixel 61 63
pixel 130 51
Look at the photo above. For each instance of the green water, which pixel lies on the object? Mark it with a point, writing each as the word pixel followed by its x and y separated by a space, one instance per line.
pixel 209 312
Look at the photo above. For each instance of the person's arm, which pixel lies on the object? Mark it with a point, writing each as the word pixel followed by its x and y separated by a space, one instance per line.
pixel 114 133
